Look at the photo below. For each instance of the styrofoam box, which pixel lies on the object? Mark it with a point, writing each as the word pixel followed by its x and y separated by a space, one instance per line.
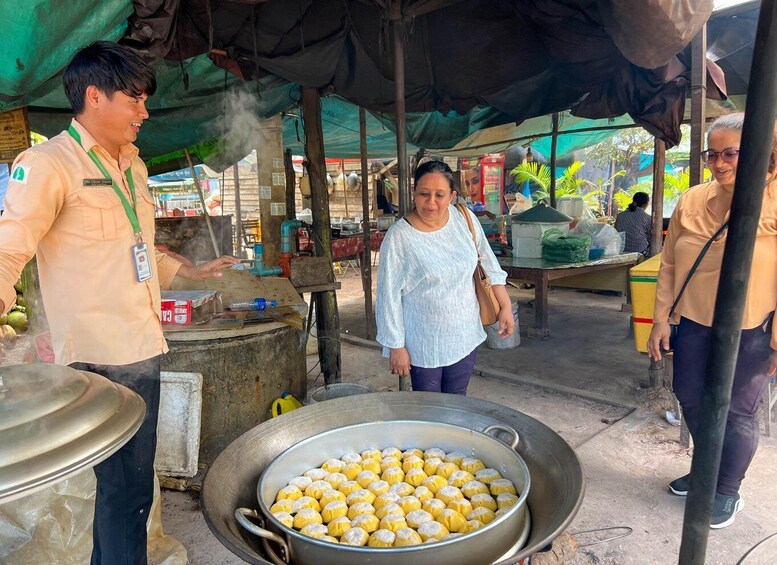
pixel 527 238
pixel 178 429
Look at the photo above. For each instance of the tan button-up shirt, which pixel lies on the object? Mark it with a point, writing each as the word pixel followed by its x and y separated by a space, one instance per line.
pixel 97 310
pixel 693 223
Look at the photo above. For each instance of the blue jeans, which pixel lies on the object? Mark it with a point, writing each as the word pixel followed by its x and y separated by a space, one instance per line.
pixel 691 346
pixel 125 481
pixel 452 379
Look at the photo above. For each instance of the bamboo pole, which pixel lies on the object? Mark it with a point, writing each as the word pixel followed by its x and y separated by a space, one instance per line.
pixel 553 155
pixel 657 216
pixel 216 249
pixel 238 211
pixel 399 102
pixel 698 96
pixel 366 262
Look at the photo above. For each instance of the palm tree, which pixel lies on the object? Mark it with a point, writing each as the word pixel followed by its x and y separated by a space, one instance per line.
pixel 674 185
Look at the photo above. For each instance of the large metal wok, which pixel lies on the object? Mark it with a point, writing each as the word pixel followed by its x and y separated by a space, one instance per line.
pixel 556 474
pixel 486 544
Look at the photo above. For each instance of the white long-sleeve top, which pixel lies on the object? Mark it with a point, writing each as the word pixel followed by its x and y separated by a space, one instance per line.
pixel 426 295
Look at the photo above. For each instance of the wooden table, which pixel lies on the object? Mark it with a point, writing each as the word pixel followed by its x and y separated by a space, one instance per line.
pixel 577 275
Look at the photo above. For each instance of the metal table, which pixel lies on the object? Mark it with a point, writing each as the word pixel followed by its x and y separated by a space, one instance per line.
pixel 540 272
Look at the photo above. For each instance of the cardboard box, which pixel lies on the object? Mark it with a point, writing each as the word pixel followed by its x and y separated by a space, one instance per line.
pixel 187 307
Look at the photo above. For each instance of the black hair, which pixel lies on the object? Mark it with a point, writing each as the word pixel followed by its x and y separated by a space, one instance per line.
pixel 435 167
pixel 111 68
pixel 639 200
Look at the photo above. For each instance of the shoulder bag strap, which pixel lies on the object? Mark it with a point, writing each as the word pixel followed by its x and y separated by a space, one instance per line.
pixel 463 209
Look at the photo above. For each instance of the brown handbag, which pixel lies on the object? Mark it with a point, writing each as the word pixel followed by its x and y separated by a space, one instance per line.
pixel 489 305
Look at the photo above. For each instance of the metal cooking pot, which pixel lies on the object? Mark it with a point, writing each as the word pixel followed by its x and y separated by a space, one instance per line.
pixel 481 546
pixel 557 486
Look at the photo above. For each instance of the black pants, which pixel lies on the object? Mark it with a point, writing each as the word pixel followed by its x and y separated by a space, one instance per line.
pixel 740 442
pixel 125 481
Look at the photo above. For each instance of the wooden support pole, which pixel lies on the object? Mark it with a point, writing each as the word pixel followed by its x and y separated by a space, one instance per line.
pixel 698 99
pixel 405 205
pixel 238 212
pixel 208 223
pixel 366 262
pixel 291 185
pixel 553 151
pixel 327 316
pixel 657 216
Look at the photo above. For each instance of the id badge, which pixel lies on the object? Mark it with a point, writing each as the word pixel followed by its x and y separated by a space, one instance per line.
pixel 142 262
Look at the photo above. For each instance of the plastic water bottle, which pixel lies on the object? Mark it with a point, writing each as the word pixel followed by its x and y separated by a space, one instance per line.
pixel 255 304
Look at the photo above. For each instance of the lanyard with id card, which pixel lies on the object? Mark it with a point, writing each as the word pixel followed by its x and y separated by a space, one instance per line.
pixel 140 253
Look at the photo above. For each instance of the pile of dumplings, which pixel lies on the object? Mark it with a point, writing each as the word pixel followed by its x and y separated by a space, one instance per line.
pixel 394 498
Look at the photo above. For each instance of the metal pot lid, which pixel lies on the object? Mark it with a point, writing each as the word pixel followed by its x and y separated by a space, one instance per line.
pixel 542 214
pixel 56 421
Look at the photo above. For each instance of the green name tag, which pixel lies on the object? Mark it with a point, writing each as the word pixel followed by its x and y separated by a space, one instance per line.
pixel 98 182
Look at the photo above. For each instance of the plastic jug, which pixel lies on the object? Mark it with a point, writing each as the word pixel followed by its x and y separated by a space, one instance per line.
pixel 286 403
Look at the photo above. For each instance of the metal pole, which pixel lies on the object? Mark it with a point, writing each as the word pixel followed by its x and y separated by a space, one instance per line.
pixel 657 220
pixel 399 112
pixel 553 151
pixel 216 249
pixel 238 211
pixel 366 262
pixel 756 146
pixel 698 99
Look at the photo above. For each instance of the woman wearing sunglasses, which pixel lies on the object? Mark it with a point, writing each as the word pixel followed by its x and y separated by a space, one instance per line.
pixel 700 218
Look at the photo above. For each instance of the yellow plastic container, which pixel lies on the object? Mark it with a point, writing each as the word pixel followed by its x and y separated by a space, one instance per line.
pixel 643 278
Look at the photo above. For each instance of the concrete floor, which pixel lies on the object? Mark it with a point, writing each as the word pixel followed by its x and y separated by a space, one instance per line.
pixel 585 384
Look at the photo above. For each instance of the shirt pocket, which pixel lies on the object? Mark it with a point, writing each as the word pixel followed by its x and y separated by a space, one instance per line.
pixel 102 214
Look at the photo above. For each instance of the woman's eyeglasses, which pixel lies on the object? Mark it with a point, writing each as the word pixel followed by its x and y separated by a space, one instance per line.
pixel 729 155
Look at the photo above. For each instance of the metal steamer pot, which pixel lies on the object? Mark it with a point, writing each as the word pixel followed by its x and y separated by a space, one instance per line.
pixel 557 485
pixel 481 546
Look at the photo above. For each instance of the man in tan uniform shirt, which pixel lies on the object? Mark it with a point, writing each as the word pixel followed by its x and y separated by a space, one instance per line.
pixel 80 201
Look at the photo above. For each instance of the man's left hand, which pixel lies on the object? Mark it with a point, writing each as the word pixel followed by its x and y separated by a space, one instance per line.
pixel 210 270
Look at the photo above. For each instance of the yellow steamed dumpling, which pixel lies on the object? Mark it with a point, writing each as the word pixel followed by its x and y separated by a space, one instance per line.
pixel 482 514
pixel 414 451
pixel 314 530
pixel 432 529
pixel 461 505
pixel 361 495
pixel 378 487
pixel 407 536
pixel 330 539
pixel 360 508
pixel 471 488
pixel 352 470
pixel 487 476
pixel 355 536
pixel 330 496
pixel 415 477
pixel 283 505
pixel 471 465
pixel 448 493
pixel 301 482
pixel 385 498
pixel 451 519
pixel 502 485
pixel 382 538
pixel 423 493
pixel 284 518
pixel 335 479
pixel 305 502
pixel 392 452
pixel 506 500
pixel 434 453
pixel 347 487
pixel 460 478
pixel 485 501
pixel 402 489
pixel 435 483
pixel 339 526
pixel 501 512
pixel 388 462
pixel 455 457
pixel 289 492
pixel 316 474
pixel 372 465
pixel 417 517
pixel 365 478
pixel 316 489
pixel 334 510
pixel 471 526
pixel 333 465
pixel 412 462
pixel 393 522
pixel 393 475
pixel 306 516
pixel 351 457
pixel 409 503
pixel 367 522
pixel 446 469
pixel 389 508
pixel 433 506
pixel 371 454
pixel 431 465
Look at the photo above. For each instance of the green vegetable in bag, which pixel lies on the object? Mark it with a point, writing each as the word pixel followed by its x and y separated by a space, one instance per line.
pixel 560 248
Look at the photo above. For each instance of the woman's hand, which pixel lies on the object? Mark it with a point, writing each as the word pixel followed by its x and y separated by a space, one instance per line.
pixel 506 322
pixel 772 364
pixel 399 361
pixel 658 340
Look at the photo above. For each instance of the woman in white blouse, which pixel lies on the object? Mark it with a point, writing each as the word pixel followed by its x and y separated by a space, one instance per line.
pixel 427 313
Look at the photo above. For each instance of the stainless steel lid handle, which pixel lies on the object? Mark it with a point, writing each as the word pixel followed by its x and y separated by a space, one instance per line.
pixel 502 428
pixel 241 516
